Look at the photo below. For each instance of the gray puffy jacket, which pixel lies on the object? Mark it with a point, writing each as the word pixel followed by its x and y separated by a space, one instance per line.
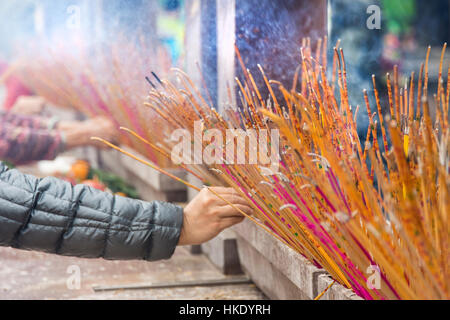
pixel 53 216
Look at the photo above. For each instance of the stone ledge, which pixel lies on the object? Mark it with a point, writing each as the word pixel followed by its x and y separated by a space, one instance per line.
pixel 294 267
pixel 279 271
pixel 266 276
pixel 336 292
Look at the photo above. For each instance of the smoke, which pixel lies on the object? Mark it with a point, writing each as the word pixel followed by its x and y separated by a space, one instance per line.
pixel 16 24
pixel 362 49
pixel 47 23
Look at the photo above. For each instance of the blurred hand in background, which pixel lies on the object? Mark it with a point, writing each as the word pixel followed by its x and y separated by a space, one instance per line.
pixel 79 134
pixel 32 105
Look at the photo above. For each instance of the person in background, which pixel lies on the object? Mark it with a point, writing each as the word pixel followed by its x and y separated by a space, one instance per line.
pixel 25 136
pixel 24 139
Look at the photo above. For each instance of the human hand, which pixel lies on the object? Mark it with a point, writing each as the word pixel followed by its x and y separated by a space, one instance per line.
pixel 207 215
pixel 29 105
pixel 79 133
pixel 103 128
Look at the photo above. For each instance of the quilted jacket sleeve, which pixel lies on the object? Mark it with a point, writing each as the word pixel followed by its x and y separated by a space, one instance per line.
pixel 53 216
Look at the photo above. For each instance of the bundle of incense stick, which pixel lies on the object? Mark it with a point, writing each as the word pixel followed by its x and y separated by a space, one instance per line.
pixel 374 215
pixel 98 81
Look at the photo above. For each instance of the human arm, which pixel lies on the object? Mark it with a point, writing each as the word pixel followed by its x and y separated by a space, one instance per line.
pixel 55 217
pixel 20 143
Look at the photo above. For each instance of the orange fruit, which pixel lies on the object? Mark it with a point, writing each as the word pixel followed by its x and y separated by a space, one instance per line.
pixel 80 170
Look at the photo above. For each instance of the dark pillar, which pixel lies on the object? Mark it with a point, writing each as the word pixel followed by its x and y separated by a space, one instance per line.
pixel 209 47
pixel 268 33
